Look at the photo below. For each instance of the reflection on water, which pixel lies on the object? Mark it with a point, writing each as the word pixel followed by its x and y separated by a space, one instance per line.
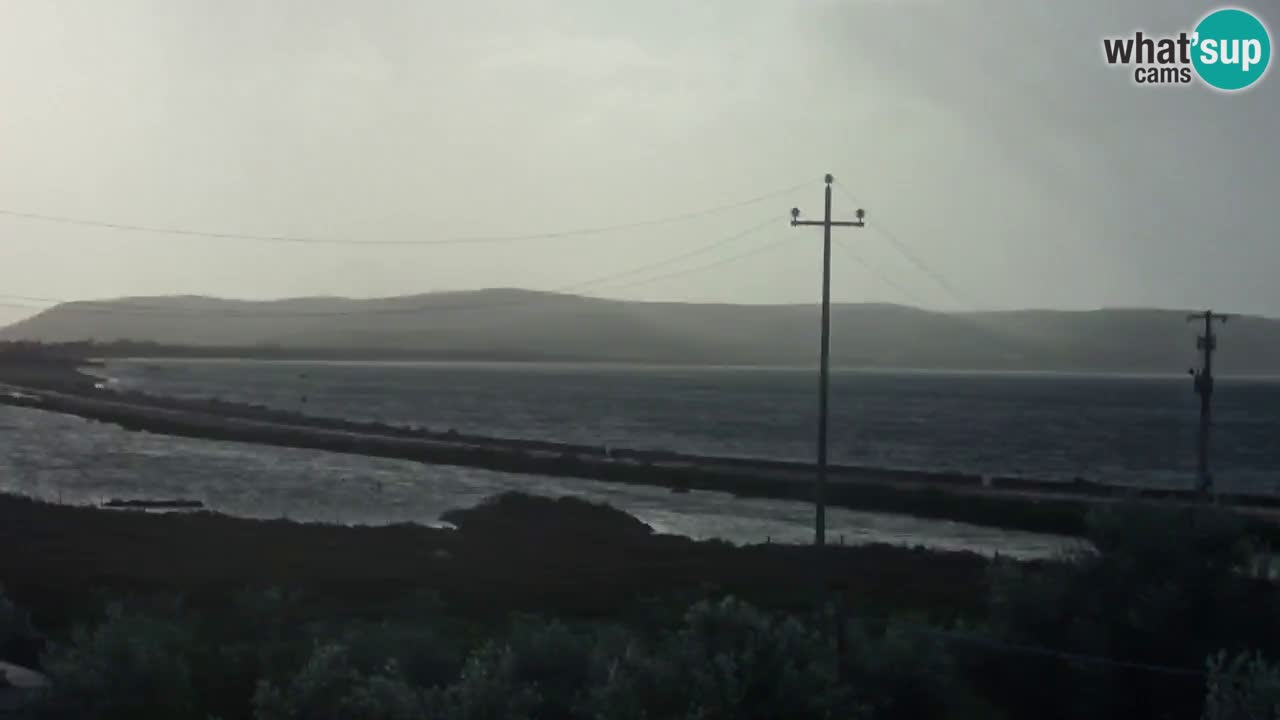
pixel 67 459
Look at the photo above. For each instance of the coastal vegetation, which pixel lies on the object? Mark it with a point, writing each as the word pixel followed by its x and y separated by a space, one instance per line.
pixel 537 608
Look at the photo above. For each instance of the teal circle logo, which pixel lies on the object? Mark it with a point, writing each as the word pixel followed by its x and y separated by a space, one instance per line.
pixel 1231 49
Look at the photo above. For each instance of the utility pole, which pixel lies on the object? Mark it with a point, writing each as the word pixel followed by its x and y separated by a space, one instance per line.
pixel 1206 344
pixel 820 519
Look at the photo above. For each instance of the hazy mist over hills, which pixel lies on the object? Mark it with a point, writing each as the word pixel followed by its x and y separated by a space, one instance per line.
pixel 525 325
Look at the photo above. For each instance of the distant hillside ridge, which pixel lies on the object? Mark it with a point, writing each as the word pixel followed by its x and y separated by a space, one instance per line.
pixel 509 324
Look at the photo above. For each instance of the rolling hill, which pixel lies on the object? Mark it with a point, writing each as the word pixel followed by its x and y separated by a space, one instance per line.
pixel 525 325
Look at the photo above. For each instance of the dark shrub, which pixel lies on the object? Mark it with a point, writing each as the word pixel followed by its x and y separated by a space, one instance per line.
pixel 517 517
pixel 329 687
pixel 130 666
pixel 727 661
pixel 1164 588
pixel 20 642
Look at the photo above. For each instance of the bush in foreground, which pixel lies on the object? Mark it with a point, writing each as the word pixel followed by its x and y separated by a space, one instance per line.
pixel 130 666
pixel 1163 590
pixel 330 687
pixel 1244 687
pixel 20 642
pixel 727 661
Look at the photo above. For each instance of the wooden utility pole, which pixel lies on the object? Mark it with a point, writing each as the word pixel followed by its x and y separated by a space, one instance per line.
pixel 1206 344
pixel 820 519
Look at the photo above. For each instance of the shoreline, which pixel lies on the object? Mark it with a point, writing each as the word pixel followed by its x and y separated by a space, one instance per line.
pixel 146 350
pixel 572 362
pixel 1010 503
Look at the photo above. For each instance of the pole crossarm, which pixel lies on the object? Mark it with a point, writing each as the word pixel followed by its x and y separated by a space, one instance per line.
pixel 834 223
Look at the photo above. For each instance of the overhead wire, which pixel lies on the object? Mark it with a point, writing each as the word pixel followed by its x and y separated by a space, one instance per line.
pixel 847 249
pixel 1073 657
pixel 24 302
pixel 677 258
pixel 708 266
pixel 304 239
pixel 126 308
pixel 906 251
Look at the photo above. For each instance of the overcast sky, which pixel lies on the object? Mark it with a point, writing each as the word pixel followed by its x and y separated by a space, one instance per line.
pixel 989 137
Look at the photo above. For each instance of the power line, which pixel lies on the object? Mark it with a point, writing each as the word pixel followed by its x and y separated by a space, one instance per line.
pixel 911 257
pixel 302 239
pixel 683 256
pixel 847 248
pixel 707 266
pixel 1013 648
pixel 135 309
